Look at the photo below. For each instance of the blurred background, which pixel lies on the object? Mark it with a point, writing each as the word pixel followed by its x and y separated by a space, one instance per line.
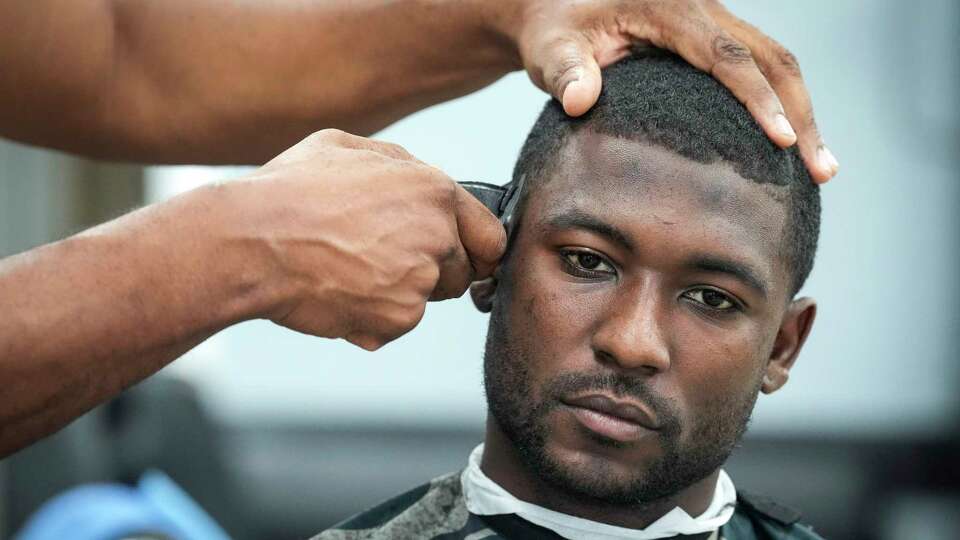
pixel 279 435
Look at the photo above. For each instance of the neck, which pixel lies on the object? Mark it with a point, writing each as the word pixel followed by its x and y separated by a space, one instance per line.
pixel 502 464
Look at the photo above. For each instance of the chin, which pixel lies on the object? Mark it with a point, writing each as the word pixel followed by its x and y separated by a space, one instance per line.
pixel 601 469
pixel 592 477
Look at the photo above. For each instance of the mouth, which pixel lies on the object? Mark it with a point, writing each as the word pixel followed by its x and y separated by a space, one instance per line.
pixel 617 419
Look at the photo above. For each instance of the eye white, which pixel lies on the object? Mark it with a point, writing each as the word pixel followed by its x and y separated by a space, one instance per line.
pixel 573 257
pixel 697 295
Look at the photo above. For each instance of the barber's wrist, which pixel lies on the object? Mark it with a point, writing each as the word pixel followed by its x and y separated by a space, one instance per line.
pixel 240 262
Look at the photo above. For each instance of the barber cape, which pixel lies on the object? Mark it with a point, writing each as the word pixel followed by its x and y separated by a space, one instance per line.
pixel 470 506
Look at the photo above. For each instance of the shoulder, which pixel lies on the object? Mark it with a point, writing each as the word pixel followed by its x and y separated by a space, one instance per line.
pixel 426 511
pixel 760 517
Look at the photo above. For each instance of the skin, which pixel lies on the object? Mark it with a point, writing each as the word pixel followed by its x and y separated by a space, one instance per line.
pixel 636 308
pixel 301 246
pixel 212 81
pixel 339 236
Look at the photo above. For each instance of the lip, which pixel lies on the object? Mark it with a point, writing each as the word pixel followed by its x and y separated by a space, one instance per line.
pixel 617 409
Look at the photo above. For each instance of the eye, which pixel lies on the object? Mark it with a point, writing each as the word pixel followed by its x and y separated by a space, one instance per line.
pixel 584 263
pixel 712 299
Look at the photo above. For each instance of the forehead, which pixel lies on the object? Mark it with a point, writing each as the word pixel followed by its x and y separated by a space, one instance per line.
pixel 641 187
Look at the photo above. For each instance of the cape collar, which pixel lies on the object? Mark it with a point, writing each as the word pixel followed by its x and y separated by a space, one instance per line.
pixel 484 497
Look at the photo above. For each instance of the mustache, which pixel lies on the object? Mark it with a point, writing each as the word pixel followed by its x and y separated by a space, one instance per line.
pixel 618 384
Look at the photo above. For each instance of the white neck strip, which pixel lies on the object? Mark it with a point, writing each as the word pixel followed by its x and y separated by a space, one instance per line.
pixel 484 497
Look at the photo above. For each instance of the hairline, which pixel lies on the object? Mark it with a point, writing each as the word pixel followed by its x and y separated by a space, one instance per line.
pixel 780 193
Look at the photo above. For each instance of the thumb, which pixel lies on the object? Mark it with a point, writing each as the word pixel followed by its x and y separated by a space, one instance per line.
pixel 572 75
pixel 481 234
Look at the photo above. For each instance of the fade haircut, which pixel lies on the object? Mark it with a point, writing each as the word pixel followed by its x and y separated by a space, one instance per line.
pixel 658 98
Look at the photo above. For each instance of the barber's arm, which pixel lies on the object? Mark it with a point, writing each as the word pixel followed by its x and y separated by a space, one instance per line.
pixel 339 236
pixel 219 81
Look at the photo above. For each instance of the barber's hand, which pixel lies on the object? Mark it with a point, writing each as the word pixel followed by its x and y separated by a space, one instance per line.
pixel 361 235
pixel 564 43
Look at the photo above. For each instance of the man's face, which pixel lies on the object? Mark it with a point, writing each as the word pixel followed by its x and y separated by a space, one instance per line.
pixel 634 319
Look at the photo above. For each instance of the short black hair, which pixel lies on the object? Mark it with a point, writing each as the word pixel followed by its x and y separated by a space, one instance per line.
pixel 657 97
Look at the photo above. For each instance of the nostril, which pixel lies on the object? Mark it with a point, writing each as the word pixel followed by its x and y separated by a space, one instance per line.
pixel 647 357
pixel 647 368
pixel 606 359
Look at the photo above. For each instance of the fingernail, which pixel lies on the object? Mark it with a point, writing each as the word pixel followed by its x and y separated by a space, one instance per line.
pixel 783 126
pixel 827 160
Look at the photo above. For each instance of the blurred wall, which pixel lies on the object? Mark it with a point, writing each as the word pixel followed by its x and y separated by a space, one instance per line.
pixel 45 195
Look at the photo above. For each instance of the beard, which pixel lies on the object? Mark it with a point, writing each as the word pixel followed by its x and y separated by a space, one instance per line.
pixel 521 411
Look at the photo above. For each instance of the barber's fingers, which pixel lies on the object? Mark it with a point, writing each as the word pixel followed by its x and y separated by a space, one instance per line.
pixel 481 234
pixel 568 71
pixel 782 70
pixel 455 277
pixel 703 43
pixel 564 45
pixel 372 339
pixel 481 241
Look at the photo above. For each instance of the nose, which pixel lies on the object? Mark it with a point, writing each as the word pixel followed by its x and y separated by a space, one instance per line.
pixel 632 334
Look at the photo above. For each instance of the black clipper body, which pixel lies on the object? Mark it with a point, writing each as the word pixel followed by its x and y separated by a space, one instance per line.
pixel 500 200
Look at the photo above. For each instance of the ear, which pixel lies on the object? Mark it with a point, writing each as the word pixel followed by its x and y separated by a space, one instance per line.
pixel 794 329
pixel 482 292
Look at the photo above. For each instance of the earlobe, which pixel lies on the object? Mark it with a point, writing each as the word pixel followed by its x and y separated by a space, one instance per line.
pixel 482 292
pixel 794 329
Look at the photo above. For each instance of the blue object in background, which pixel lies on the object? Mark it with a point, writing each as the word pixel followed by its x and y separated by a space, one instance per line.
pixel 157 506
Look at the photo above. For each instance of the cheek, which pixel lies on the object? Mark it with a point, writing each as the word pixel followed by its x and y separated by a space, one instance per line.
pixel 552 317
pixel 712 363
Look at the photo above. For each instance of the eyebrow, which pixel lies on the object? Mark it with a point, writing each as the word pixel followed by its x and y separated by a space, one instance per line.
pixel 739 271
pixel 577 219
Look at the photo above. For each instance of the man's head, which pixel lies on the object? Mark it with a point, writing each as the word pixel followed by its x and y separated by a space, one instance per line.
pixel 647 295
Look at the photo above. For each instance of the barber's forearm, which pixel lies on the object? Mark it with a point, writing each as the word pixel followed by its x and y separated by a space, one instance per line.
pixel 89 316
pixel 337 237
pixel 221 81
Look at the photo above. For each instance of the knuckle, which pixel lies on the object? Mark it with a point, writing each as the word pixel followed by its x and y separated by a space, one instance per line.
pixel 405 318
pixel 441 189
pixel 388 149
pixel 562 52
pixel 787 61
pixel 427 278
pixel 730 51
pixel 562 72
pixel 329 134
pixel 419 279
pixel 781 65
pixel 395 150
pixel 317 138
pixel 330 137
